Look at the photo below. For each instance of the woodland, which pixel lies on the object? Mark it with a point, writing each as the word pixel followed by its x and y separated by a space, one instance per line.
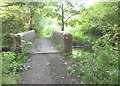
pixel 96 28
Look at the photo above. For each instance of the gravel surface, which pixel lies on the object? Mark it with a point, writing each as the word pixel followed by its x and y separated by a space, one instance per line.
pixel 47 67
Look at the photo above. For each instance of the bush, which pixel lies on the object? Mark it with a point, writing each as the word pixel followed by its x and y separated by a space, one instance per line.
pixel 100 67
pixel 98 21
pixel 12 63
pixel 13 21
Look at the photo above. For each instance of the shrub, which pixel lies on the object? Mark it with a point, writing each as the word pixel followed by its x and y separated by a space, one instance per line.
pixel 100 67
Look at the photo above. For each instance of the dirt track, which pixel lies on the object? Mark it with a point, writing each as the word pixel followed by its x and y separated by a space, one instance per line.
pixel 47 65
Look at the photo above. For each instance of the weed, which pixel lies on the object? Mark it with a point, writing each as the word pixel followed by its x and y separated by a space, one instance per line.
pixel 59 46
pixel 8 80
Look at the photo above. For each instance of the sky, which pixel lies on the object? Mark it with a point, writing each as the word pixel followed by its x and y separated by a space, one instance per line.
pixel 87 3
pixel 90 2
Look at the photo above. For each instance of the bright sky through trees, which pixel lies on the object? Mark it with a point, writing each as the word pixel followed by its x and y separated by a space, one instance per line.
pixel 90 2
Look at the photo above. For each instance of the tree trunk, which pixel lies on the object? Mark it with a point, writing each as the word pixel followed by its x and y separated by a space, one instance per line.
pixel 62 18
pixel 31 20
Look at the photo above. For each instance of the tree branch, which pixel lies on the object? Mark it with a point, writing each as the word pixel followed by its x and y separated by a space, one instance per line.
pixel 62 18
pixel 68 18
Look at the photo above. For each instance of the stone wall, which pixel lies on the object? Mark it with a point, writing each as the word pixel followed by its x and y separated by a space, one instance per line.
pixel 65 38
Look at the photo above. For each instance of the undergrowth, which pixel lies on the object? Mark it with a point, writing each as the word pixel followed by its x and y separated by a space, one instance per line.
pixel 12 64
pixel 100 67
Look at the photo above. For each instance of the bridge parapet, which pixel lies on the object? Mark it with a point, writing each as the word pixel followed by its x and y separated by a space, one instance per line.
pixel 65 38
pixel 19 40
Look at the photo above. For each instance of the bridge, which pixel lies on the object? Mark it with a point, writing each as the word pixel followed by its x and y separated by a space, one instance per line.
pixel 48 65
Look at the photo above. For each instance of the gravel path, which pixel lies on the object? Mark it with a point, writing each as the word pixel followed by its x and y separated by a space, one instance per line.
pixel 47 65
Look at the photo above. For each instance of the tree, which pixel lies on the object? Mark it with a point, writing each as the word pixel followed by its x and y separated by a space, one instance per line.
pixel 62 18
pixel 33 6
pixel 67 8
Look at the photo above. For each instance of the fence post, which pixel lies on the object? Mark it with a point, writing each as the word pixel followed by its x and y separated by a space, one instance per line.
pixel 67 43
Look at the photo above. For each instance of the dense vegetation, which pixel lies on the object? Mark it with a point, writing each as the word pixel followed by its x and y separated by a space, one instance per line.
pixel 96 26
pixel 99 27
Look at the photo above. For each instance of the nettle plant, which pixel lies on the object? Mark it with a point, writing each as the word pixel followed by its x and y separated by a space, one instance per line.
pixel 100 67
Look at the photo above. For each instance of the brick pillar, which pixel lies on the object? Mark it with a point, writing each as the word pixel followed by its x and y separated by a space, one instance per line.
pixel 67 43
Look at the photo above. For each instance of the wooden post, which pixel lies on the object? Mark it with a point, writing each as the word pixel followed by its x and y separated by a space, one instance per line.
pixel 68 43
pixel 18 43
pixel 13 43
pixel 62 18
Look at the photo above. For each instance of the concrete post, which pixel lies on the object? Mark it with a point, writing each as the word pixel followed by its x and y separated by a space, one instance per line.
pixel 67 43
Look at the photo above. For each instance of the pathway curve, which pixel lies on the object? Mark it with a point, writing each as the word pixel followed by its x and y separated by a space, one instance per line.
pixel 47 65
